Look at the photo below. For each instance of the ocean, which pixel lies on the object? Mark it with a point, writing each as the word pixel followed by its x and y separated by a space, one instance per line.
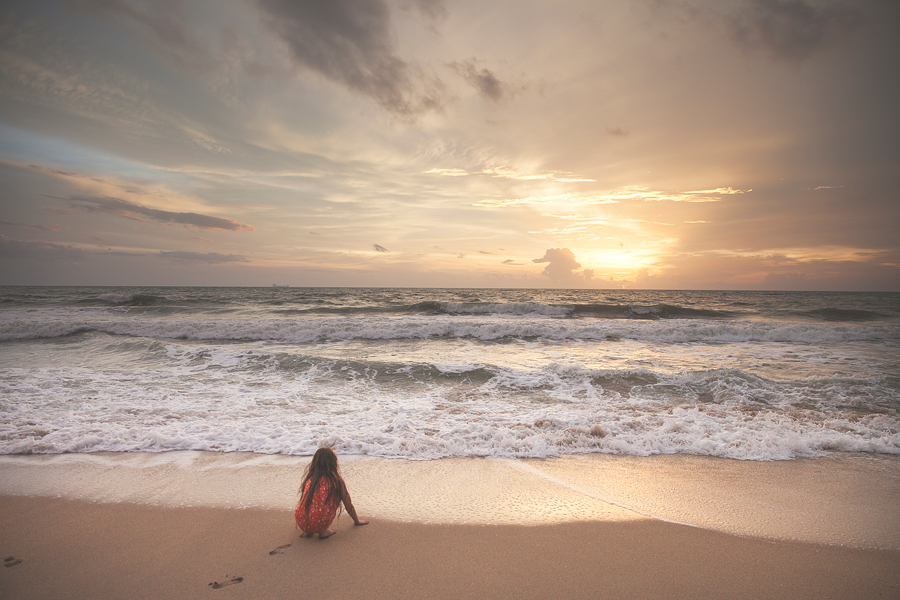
pixel 431 373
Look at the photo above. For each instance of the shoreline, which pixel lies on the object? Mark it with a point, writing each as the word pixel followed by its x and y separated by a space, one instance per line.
pixel 77 549
pixel 840 500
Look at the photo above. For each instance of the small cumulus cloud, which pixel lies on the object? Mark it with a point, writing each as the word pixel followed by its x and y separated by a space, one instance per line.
pixel 643 279
pixel 204 257
pixel 792 29
pixel 562 268
pixel 131 210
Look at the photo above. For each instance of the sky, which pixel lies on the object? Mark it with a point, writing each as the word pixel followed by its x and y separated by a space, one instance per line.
pixel 637 144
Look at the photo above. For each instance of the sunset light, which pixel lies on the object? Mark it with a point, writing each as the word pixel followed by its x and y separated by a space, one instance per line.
pixel 697 144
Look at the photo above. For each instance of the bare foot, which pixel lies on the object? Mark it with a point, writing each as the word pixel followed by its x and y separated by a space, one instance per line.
pixel 326 534
pixel 361 522
pixel 307 535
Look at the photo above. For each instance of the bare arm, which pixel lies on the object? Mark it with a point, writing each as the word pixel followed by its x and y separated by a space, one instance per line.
pixel 348 504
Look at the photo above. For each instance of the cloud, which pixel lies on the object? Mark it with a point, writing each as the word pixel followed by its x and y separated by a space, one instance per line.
pixel 630 192
pixel 208 257
pixel 449 172
pixel 728 191
pixel 482 80
pixel 130 210
pixel 162 23
pixel 379 248
pixel 643 279
pixel 39 250
pixel 430 8
pixel 561 267
pixel 509 173
pixel 792 29
pixel 53 228
pixel 349 42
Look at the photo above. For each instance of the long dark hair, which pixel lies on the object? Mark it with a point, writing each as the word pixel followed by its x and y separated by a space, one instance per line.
pixel 324 465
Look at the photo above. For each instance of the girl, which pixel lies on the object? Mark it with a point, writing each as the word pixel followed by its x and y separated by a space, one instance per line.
pixel 322 492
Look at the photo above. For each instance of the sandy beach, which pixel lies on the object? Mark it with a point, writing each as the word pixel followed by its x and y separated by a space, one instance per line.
pixel 75 549
pixel 194 525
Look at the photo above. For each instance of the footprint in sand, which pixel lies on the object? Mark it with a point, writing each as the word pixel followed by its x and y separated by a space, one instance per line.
pixel 279 549
pixel 11 561
pixel 218 586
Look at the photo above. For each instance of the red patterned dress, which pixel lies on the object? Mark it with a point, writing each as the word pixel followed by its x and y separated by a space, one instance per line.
pixel 321 512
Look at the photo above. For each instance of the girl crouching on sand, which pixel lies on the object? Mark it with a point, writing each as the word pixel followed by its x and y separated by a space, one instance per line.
pixel 322 492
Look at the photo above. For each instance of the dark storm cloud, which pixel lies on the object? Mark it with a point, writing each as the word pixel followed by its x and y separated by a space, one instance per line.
pixel 349 42
pixel 38 250
pixel 482 80
pixel 792 29
pixel 205 257
pixel 130 210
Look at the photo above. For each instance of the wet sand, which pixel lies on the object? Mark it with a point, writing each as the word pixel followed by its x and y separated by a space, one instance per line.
pixel 76 549
pixel 844 499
